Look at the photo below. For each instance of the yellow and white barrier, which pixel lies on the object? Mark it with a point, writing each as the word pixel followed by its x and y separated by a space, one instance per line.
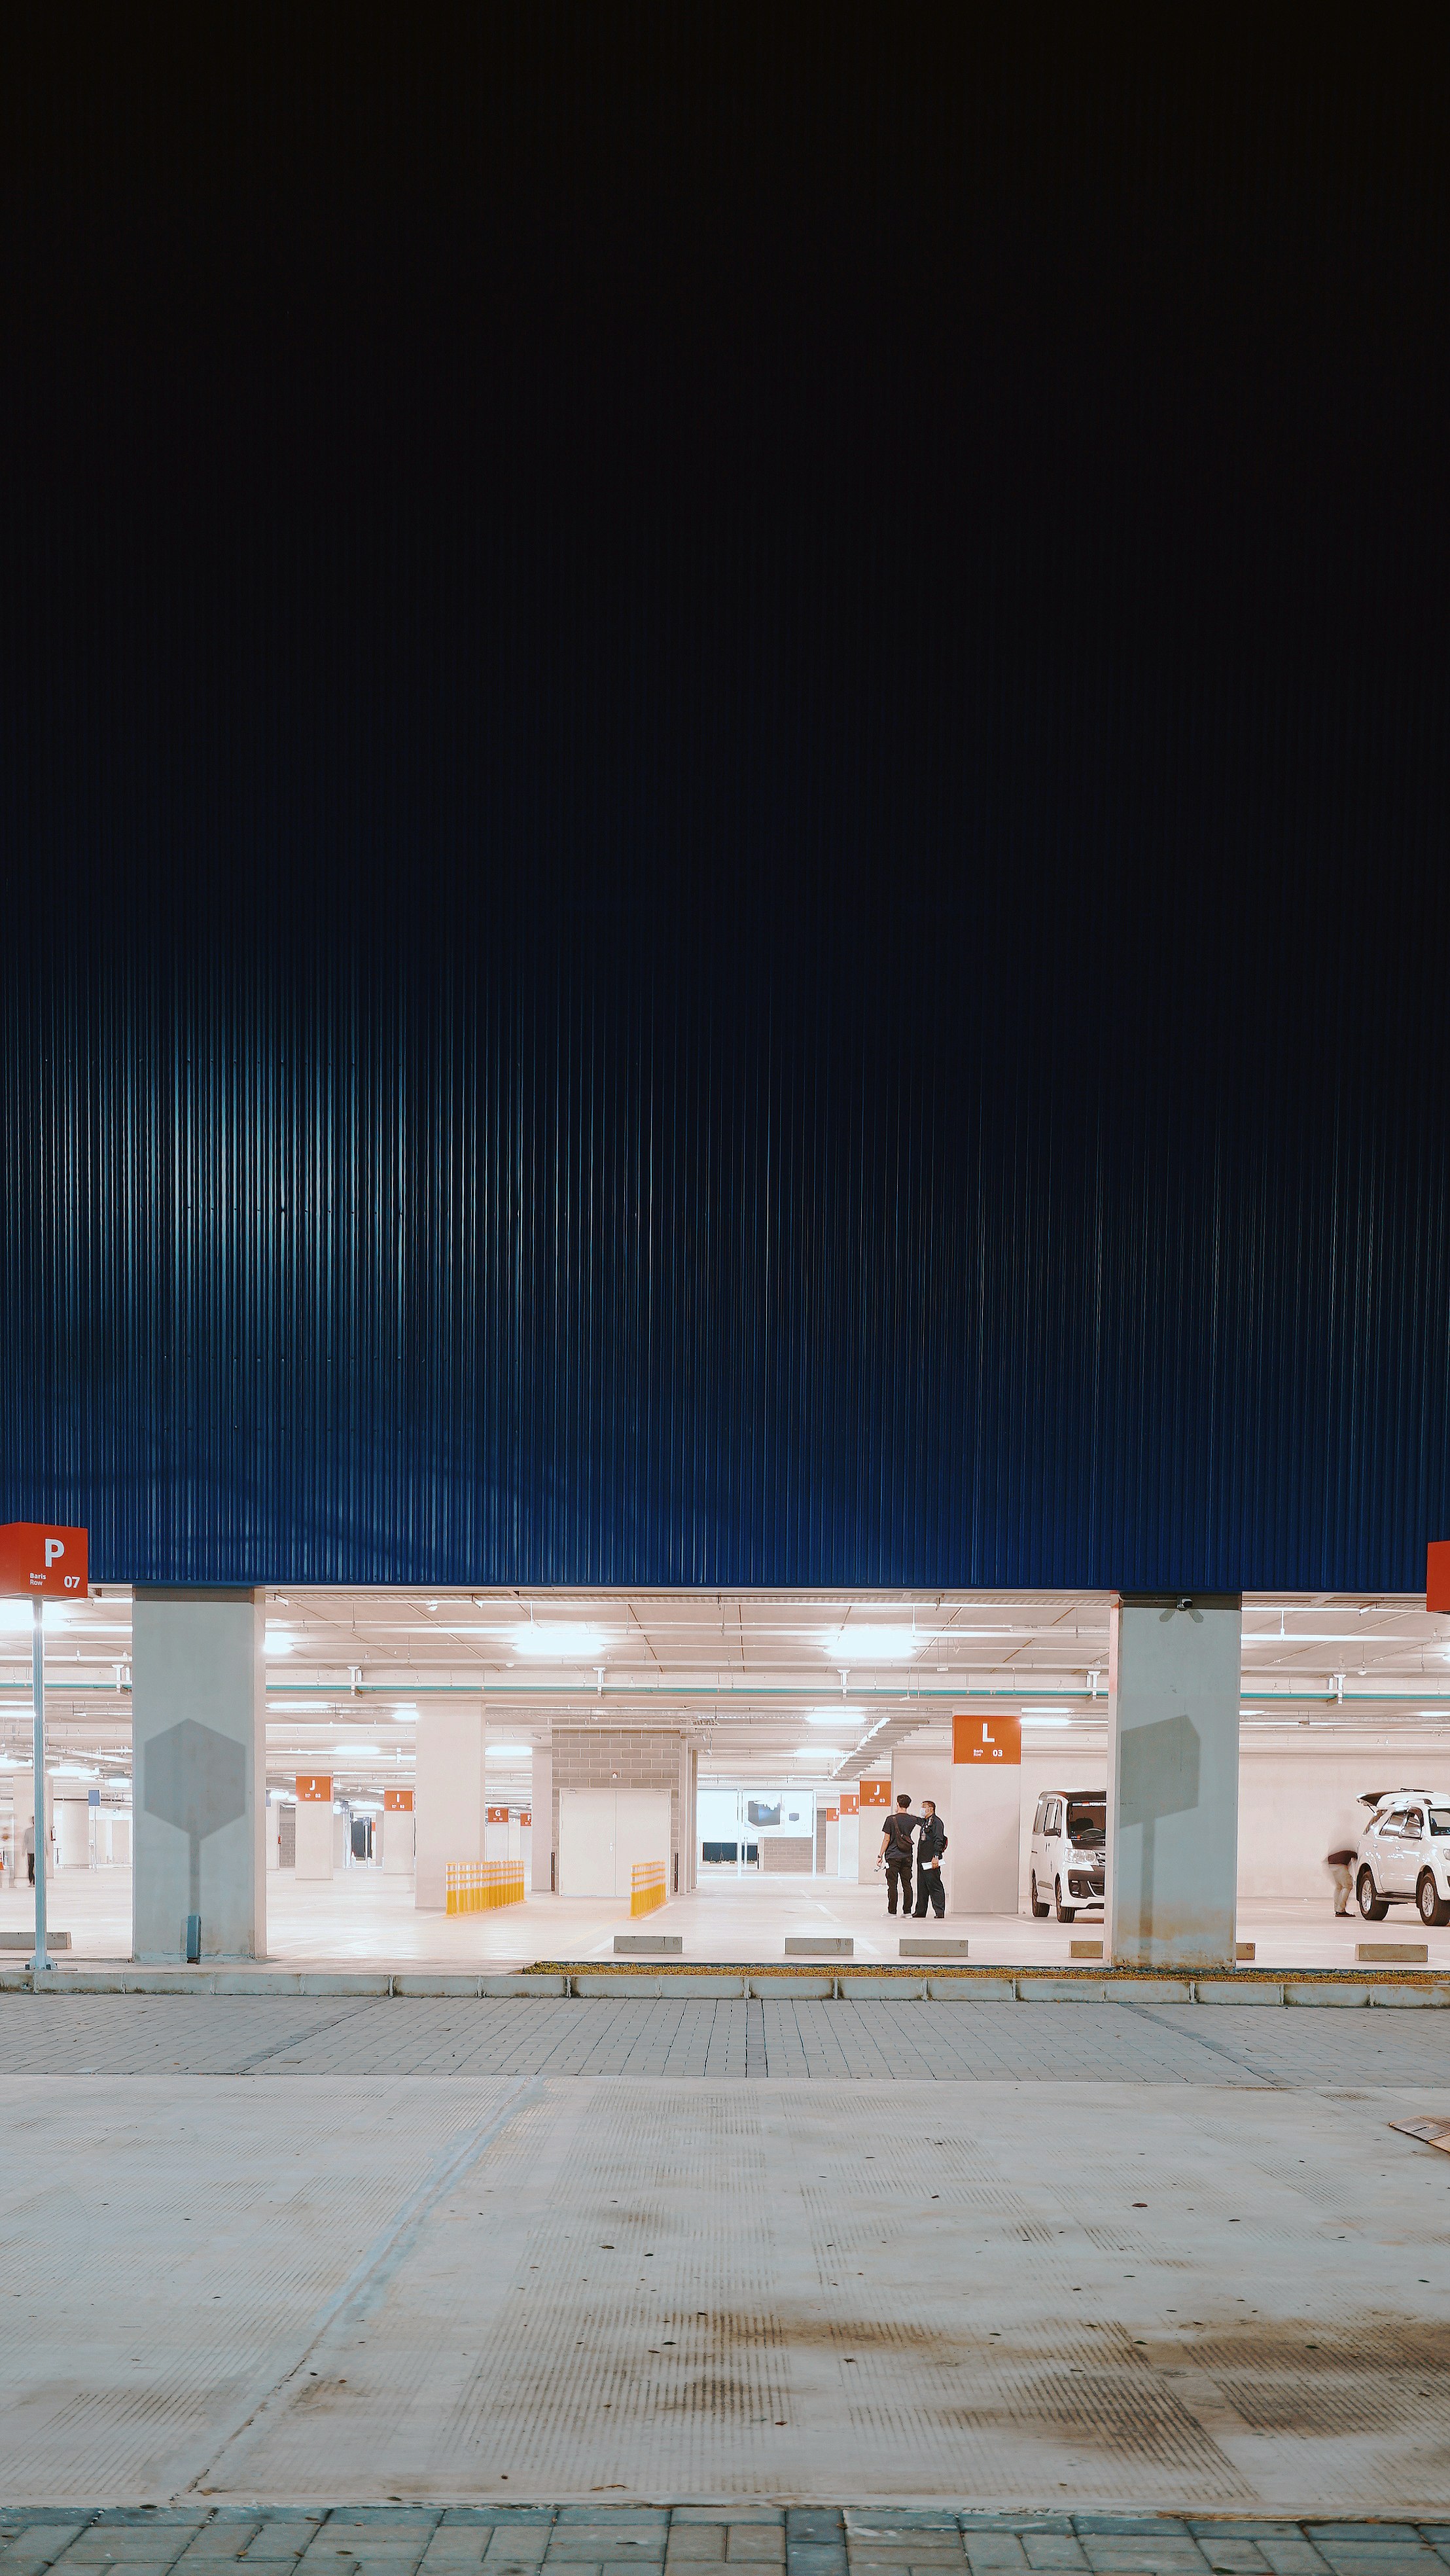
pixel 476 1886
pixel 648 1889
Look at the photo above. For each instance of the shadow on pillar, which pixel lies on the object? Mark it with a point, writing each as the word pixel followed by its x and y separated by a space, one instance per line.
pixel 196 1780
pixel 1160 1767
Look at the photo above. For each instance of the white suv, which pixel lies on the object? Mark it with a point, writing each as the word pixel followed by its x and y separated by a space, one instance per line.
pixel 1069 1850
pixel 1403 1856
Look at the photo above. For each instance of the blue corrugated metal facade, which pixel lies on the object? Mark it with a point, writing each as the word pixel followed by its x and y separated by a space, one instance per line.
pixel 357 1271
pixel 723 771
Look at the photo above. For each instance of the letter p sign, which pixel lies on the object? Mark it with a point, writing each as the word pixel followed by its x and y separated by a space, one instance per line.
pixel 36 1556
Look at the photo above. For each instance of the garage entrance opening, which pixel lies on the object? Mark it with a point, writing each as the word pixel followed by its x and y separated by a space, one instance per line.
pixel 748 1746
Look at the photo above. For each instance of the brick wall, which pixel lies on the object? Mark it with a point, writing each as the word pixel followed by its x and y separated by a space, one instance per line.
pixel 598 1757
pixel 786 1851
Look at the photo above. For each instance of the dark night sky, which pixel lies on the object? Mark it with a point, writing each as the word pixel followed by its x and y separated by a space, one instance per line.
pixel 827 623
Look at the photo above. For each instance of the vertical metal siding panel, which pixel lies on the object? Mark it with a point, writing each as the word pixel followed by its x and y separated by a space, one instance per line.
pixel 298 1281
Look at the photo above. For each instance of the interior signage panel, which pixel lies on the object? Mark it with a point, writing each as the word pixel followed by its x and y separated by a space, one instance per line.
pixel 997 1738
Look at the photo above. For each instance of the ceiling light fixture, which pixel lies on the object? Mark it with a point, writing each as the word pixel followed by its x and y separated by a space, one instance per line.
pixel 507 1752
pixel 560 1642
pixel 871 1645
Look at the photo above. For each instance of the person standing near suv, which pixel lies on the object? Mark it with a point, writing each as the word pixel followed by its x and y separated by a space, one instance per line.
pixel 931 1843
pixel 895 1851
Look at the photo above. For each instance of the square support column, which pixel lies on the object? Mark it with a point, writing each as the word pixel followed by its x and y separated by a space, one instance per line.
pixel 542 1844
pixel 984 1828
pixel 1173 1779
pixel 398 1833
pixel 448 1798
pixel 199 1735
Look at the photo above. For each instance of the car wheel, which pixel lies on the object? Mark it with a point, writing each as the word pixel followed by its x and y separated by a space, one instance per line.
pixel 1434 1908
pixel 1065 1913
pixel 1039 1904
pixel 1373 1908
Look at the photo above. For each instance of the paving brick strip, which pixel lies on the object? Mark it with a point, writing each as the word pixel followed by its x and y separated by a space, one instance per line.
pixel 1326 1988
pixel 815 2540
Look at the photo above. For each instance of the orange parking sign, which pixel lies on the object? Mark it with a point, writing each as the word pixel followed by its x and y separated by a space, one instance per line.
pixel 44 1557
pixel 997 1738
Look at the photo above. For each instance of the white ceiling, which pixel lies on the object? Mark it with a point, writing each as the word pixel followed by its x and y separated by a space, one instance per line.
pixel 745 1672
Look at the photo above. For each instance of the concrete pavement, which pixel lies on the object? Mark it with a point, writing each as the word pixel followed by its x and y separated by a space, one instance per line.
pixel 602 2254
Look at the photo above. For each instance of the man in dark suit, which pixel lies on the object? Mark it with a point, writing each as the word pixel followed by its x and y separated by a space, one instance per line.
pixel 931 1842
pixel 895 1853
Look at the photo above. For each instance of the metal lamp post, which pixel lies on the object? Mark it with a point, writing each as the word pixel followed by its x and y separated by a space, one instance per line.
pixel 38 1559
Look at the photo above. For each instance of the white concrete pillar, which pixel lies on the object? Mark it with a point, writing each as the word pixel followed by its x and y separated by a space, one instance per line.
pixel 875 1806
pixel 848 1846
pixel 199 1738
pixel 72 1833
pixel 273 1851
pixel 687 1848
pixel 448 1798
pixel 543 1832
pixel 1173 1779
pixel 397 1822
pixel 314 1844
pixel 496 1833
pixel 984 1822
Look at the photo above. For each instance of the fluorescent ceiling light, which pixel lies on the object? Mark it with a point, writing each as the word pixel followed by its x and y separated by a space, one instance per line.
pixel 1046 1717
pixel 1326 1637
pixel 277 1641
pixel 507 1752
pixel 407 1711
pixel 21 1614
pixel 872 1645
pixel 837 1716
pixel 73 1771
pixel 318 1708
pixel 357 1748
pixel 560 1642
pixel 817 1753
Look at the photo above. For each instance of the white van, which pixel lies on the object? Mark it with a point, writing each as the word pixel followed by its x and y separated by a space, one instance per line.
pixel 1404 1856
pixel 1069 1850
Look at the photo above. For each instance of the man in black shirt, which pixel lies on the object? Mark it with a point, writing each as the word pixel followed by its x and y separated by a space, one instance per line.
pixel 896 1853
pixel 931 1843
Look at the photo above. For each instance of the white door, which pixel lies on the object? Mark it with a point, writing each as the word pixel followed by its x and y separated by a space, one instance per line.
pixel 1412 1845
pixel 1387 1855
pixel 642 1832
pixel 586 1842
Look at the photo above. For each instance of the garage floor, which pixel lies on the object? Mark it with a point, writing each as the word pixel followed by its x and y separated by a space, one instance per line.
pixel 362 1918
pixel 1076 2257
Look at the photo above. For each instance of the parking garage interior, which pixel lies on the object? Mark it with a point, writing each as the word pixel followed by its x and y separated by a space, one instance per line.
pixel 774 1727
